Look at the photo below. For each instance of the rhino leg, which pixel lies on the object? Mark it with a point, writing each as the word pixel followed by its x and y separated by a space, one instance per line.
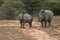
pixel 21 24
pixel 45 24
pixel 30 24
pixel 41 23
pixel 49 22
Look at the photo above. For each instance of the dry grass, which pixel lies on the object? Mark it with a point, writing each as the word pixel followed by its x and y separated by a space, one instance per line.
pixel 13 34
pixel 9 30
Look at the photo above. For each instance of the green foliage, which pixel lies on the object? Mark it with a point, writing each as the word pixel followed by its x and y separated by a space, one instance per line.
pixel 54 6
pixel 10 8
pixel 1 2
pixel 9 12
pixel 33 5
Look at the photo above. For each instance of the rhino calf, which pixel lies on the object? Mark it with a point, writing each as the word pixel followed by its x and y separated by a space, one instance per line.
pixel 25 18
pixel 45 16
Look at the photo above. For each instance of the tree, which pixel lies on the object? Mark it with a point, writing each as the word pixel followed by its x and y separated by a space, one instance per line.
pixel 11 7
pixel 54 6
pixel 32 6
pixel 1 2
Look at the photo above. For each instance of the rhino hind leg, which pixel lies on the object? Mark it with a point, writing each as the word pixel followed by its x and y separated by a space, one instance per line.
pixel 41 23
pixel 21 24
pixel 49 23
pixel 45 24
pixel 30 24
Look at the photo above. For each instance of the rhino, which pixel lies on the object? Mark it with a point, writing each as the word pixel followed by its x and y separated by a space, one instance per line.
pixel 45 16
pixel 25 18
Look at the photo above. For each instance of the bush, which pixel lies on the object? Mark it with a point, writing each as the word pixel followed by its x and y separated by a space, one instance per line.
pixel 55 7
pixel 7 12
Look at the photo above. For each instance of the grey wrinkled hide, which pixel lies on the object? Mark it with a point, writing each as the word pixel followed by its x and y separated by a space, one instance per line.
pixel 45 16
pixel 25 18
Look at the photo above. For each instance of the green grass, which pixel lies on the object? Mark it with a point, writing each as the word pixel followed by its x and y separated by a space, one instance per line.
pixel 54 1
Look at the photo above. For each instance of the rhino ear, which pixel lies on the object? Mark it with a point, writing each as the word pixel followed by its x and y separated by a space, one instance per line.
pixel 43 11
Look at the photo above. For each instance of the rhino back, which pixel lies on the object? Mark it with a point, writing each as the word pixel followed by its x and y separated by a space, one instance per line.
pixel 47 15
pixel 26 17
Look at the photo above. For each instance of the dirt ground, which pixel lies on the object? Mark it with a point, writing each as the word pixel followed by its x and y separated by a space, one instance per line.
pixel 10 30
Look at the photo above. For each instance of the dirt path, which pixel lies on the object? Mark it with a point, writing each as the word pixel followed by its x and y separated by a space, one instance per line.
pixel 9 30
pixel 38 34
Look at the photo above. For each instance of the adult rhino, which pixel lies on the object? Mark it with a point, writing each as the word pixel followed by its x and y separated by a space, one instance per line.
pixel 25 18
pixel 45 16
